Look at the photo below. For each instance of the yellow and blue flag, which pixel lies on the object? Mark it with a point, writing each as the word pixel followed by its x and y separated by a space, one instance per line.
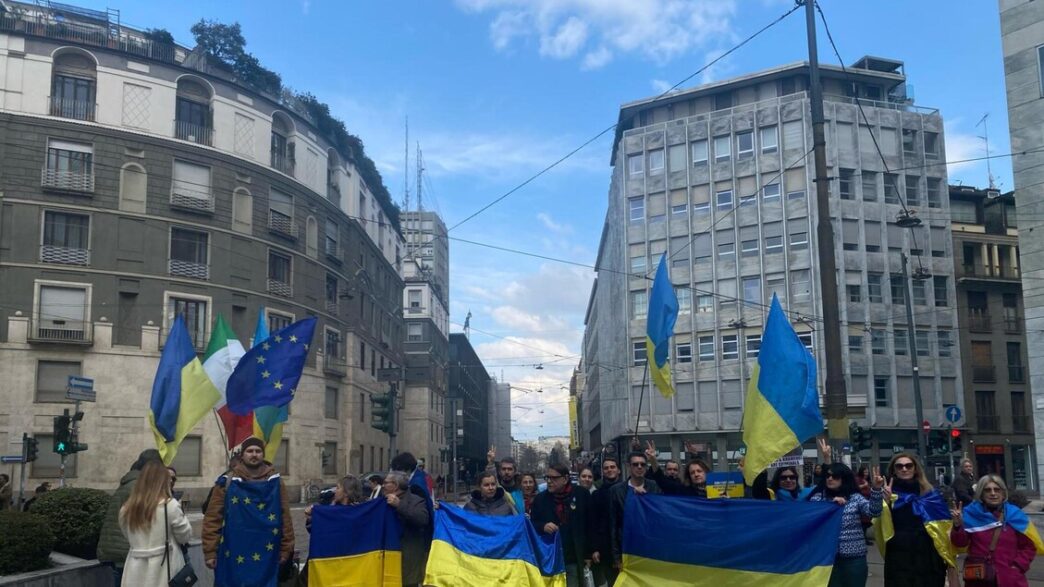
pixel 268 373
pixel 248 554
pixel 782 408
pixel 671 541
pixel 355 545
pixel 934 514
pixel 663 311
pixel 182 392
pixel 977 519
pixel 471 550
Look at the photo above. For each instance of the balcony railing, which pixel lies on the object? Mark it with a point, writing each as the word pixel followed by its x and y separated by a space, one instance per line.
pixel 1013 324
pixel 1022 423
pixel 331 306
pixel 902 106
pixel 979 321
pixel 334 365
pixel 75 109
pixel 282 163
pixel 189 269
pixel 65 255
pixel 45 26
pixel 415 310
pixel 195 201
pixel 199 339
pixel 279 288
pixel 197 133
pixel 988 423
pixel 60 331
pixel 988 272
pixel 1016 374
pixel 67 181
pixel 984 374
pixel 281 224
pixel 331 249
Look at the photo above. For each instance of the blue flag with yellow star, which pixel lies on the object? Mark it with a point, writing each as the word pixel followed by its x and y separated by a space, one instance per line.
pixel 248 555
pixel 268 373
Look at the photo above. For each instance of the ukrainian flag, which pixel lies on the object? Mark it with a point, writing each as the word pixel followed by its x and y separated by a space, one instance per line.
pixel 182 392
pixel 782 408
pixel 671 541
pixel 934 514
pixel 977 519
pixel 471 550
pixel 663 311
pixel 355 546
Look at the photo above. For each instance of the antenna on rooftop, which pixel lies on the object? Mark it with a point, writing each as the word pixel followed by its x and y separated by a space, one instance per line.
pixel 406 169
pixel 986 138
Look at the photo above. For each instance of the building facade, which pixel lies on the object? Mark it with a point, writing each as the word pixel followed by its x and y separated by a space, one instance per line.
pixel 1022 38
pixel 500 417
pixel 468 397
pixel 138 183
pixel 992 335
pixel 720 178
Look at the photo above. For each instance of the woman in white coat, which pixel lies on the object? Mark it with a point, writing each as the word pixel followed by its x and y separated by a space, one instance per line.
pixel 154 525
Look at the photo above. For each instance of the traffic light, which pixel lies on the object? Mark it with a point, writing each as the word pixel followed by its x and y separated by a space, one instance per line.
pixel 860 437
pixel 62 434
pixel 956 440
pixel 31 449
pixel 380 411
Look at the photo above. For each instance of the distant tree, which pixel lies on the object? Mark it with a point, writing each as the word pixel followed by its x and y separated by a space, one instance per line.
pixel 225 43
pixel 528 459
pixel 159 36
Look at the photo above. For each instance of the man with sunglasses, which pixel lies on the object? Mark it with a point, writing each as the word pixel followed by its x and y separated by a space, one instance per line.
pixel 566 509
pixel 636 485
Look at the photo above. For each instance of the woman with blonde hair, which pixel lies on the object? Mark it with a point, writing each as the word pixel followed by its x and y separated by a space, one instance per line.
pixel 149 519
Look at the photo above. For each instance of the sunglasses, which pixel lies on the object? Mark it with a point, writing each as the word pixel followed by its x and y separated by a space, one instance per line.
pixel 832 476
pixel 904 466
pixel 787 478
pixel 992 490
pixel 639 465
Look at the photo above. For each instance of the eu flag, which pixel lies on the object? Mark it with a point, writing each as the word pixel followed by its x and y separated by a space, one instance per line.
pixel 248 555
pixel 268 373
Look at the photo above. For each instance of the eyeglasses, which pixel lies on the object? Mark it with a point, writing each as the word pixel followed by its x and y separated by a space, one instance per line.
pixel 787 478
pixel 639 465
pixel 553 477
pixel 904 466
pixel 992 490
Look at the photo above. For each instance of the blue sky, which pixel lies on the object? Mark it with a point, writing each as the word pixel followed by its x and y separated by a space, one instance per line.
pixel 497 89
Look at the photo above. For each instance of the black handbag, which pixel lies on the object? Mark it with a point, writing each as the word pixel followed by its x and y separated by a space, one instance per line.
pixel 186 576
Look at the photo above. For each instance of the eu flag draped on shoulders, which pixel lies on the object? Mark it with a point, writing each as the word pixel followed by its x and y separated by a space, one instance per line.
pixel 355 546
pixel 182 392
pixel 782 408
pixel 672 541
pixel 472 550
pixel 663 311
pixel 268 373
pixel 248 555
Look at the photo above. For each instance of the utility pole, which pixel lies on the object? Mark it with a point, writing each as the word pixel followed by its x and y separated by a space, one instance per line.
pixel 420 172
pixel 836 397
pixel 922 443
pixel 393 416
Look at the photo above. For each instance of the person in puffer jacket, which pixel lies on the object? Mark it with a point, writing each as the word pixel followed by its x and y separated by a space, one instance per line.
pixel 488 499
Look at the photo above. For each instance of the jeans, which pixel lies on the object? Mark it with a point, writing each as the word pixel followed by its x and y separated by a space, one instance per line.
pixel 849 572
pixel 572 575
pixel 117 573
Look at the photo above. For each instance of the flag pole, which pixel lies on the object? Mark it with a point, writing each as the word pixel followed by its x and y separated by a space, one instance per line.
pixel 221 431
pixel 641 395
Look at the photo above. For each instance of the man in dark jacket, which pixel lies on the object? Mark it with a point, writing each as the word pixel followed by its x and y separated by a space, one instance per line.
pixel 112 544
pixel 636 485
pixel 964 484
pixel 566 509
pixel 416 522
pixel 601 537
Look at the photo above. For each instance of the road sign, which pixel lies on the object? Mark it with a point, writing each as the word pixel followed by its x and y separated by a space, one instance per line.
pixel 392 374
pixel 80 389
pixel 926 426
pixel 8 459
pixel 846 448
pixel 953 414
pixel 898 448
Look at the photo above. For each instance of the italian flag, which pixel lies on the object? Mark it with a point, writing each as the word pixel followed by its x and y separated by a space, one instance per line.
pixel 223 353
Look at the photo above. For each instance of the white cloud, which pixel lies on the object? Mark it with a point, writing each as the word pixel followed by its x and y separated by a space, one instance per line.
pixel 659 30
pixel 550 224
pixel 661 85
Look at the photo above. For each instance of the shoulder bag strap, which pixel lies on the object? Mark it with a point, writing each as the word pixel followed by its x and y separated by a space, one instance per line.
pixel 996 535
pixel 166 540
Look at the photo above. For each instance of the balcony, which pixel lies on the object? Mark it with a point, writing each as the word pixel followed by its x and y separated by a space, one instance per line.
pixel 60 332
pixel 987 423
pixel 415 309
pixel 979 321
pixel 988 272
pixel 189 269
pixel 334 366
pixel 199 339
pixel 984 374
pixel 65 255
pixel 43 25
pixel 67 181
pixel 331 306
pixel 1013 324
pixel 1016 374
pixel 191 200
pixel 74 109
pixel 1022 423
pixel 281 224
pixel 279 288
pixel 196 133
pixel 283 163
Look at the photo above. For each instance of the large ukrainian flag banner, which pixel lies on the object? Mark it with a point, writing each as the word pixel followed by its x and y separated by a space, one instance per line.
pixel 782 408
pixel 355 546
pixel 470 550
pixel 674 541
pixel 663 311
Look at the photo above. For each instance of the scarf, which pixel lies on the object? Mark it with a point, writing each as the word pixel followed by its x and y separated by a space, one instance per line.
pixel 561 509
pixel 977 518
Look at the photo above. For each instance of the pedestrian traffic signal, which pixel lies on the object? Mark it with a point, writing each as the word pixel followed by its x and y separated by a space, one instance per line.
pixel 31 449
pixel 381 411
pixel 62 434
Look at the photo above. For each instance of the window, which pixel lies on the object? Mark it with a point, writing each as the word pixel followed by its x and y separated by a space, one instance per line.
pixel 891 188
pixel 679 210
pixel 701 248
pixel 796 195
pixel 874 291
pixel 413 297
pixel 920 292
pixel 52 379
pixel 877 342
pixel 1040 68
pixel 638 354
pixel 194 312
pixel 330 458
pixel 706 348
pixel 769 139
pixel 704 303
pixel 638 266
pixel 745 144
pixel 986 410
pixel 776 285
pixel 798 240
pixel 898 287
pixel 729 347
pixel 278 321
pixel 362 407
pixel 634 164
pixel 752 290
pixel 726 251
pixel 749 248
pixel 282 149
pixel 901 341
pixel 656 160
pixel 722 148
pixel 639 304
pixel 279 274
pixel 934 192
pixel 855 343
pixel 724 199
pixel 676 157
pixel 846 184
pixel 191 187
pixel 69 166
pixel 701 208
pixel 909 142
pixel 773 244
pixel 806 339
pixel 73 87
pixel 281 212
pixel 683 352
pixel 62 314
pixel 793 135
pixel 330 243
pixel 48 462
pixel 913 193
pixel 330 404
pixel 770 191
pixel 1015 372
pixel 869 183
pixel 333 344
pixel 192 116
pixel 943 339
pixel 753 345
pixel 187 461
pixel 881 392
pixel 699 152
pixel 684 295
pixel 1020 420
pixel 189 253
pixel 637 209
pixel 923 343
pixel 414 332
pixel 65 238
pixel 746 201
pixel 242 211
pixel 855 292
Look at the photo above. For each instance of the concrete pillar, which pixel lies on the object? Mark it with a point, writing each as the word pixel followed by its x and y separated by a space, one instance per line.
pixel 103 334
pixel 676 447
pixel 18 328
pixel 723 453
pixel 150 334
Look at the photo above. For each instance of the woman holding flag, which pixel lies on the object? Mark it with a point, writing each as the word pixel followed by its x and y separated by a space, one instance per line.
pixel 1001 540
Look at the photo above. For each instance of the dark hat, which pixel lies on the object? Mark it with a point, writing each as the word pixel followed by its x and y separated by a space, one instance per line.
pixel 253 441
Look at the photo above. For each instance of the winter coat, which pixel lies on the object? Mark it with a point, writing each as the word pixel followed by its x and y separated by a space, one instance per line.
pixel 671 486
pixel 215 514
pixel 602 534
pixel 112 544
pixel 144 566
pixel 617 500
pixel 964 489
pixel 498 506
pixel 416 537
pixel 5 496
pixel 577 529
pixel 1011 558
